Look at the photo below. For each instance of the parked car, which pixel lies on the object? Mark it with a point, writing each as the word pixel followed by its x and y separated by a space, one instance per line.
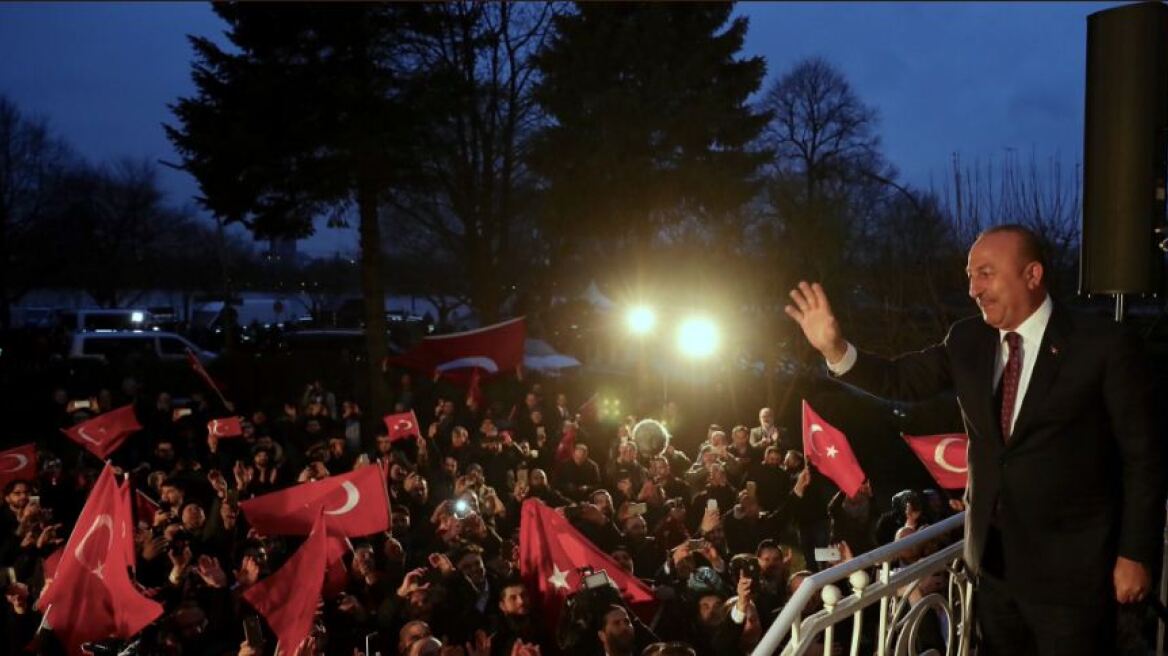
pixel 93 320
pixel 116 346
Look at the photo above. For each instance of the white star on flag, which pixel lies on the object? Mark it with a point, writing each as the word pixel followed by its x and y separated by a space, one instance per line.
pixel 558 578
pixel 831 451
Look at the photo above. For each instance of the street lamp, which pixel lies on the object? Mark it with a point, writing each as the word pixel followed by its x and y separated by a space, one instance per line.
pixel 697 337
pixel 641 320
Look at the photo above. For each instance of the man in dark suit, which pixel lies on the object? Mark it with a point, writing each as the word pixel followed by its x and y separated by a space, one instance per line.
pixel 1066 458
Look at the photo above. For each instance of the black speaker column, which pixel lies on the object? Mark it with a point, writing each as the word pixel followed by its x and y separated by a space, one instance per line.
pixel 1124 151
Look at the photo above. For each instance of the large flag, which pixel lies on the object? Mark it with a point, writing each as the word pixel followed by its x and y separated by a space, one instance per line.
pixel 126 521
pixel 225 427
pixel 551 552
pixel 402 425
pixel 354 504
pixel 18 464
pixel 287 599
pixel 944 456
pixel 103 434
pixel 493 349
pixel 827 448
pixel 92 596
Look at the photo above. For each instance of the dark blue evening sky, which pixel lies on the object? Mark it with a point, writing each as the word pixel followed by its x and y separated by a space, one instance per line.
pixel 972 78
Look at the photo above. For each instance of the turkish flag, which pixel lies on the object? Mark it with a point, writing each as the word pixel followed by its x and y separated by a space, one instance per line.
pixel 354 504
pixel 336 575
pixel 495 348
pixel 126 521
pixel 827 448
pixel 225 427
pixel 402 425
pixel 52 561
pixel 103 434
pixel 944 456
pixel 145 507
pixel 287 599
pixel 551 551
pixel 18 464
pixel 92 596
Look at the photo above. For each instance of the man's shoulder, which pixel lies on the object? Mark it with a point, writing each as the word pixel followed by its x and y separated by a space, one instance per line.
pixel 969 327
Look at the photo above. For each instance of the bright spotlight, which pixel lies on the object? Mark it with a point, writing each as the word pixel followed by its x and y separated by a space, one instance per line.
pixel 641 320
pixel 137 317
pixel 697 337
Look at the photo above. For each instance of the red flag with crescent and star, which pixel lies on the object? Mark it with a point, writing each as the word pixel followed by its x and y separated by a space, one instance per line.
pixel 224 427
pixel 103 434
pixel 945 457
pixel 828 449
pixel 551 552
pixel 19 464
pixel 402 425
pixel 92 596
pixel 354 504
pixel 288 597
pixel 493 349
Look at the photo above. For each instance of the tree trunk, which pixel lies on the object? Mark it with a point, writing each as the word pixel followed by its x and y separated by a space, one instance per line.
pixel 373 291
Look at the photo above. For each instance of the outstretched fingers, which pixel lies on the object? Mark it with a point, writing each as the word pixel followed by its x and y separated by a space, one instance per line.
pixel 820 296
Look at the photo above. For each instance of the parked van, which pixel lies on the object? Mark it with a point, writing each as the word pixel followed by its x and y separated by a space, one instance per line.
pixel 93 320
pixel 116 346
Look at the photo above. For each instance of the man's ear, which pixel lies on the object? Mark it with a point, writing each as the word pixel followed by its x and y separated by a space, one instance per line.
pixel 1034 275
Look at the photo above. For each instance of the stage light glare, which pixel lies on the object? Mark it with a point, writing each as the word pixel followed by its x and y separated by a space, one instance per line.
pixel 697 337
pixel 641 320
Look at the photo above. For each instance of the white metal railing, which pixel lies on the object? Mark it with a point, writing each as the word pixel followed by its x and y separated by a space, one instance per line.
pixel 899 619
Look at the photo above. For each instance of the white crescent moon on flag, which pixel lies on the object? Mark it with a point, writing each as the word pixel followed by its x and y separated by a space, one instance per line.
pixel 815 428
pixel 404 424
pixel 85 436
pixel 480 361
pixel 939 456
pixel 21 459
pixel 352 496
pixel 215 428
pixel 102 520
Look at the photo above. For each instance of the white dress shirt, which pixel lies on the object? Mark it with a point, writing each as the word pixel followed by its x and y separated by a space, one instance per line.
pixel 1031 330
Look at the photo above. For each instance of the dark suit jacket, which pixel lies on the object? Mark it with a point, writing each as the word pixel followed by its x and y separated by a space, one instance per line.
pixel 1081 480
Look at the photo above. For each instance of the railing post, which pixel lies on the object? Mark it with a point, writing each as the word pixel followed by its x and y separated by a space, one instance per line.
pixel 831 596
pixel 859 580
pixel 882 627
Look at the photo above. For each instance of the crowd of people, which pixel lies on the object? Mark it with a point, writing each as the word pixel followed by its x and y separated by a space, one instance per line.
pixel 723 536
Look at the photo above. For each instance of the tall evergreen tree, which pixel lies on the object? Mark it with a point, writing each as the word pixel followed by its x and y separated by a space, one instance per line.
pixel 302 118
pixel 649 120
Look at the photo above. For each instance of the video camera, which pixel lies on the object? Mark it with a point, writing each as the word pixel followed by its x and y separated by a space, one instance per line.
pixel 583 608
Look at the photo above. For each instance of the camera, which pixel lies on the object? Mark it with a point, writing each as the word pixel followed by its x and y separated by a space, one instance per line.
pixel 462 509
pixel 745 564
pixel 180 542
pixel 583 608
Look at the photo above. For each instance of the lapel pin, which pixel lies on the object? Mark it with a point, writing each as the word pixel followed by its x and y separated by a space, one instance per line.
pixel 1053 349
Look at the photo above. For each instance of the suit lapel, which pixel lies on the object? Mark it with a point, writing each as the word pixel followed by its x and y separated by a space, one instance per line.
pixel 1045 372
pixel 983 411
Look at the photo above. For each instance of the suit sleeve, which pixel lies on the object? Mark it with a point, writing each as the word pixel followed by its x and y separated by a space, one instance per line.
pixel 1129 394
pixel 910 377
